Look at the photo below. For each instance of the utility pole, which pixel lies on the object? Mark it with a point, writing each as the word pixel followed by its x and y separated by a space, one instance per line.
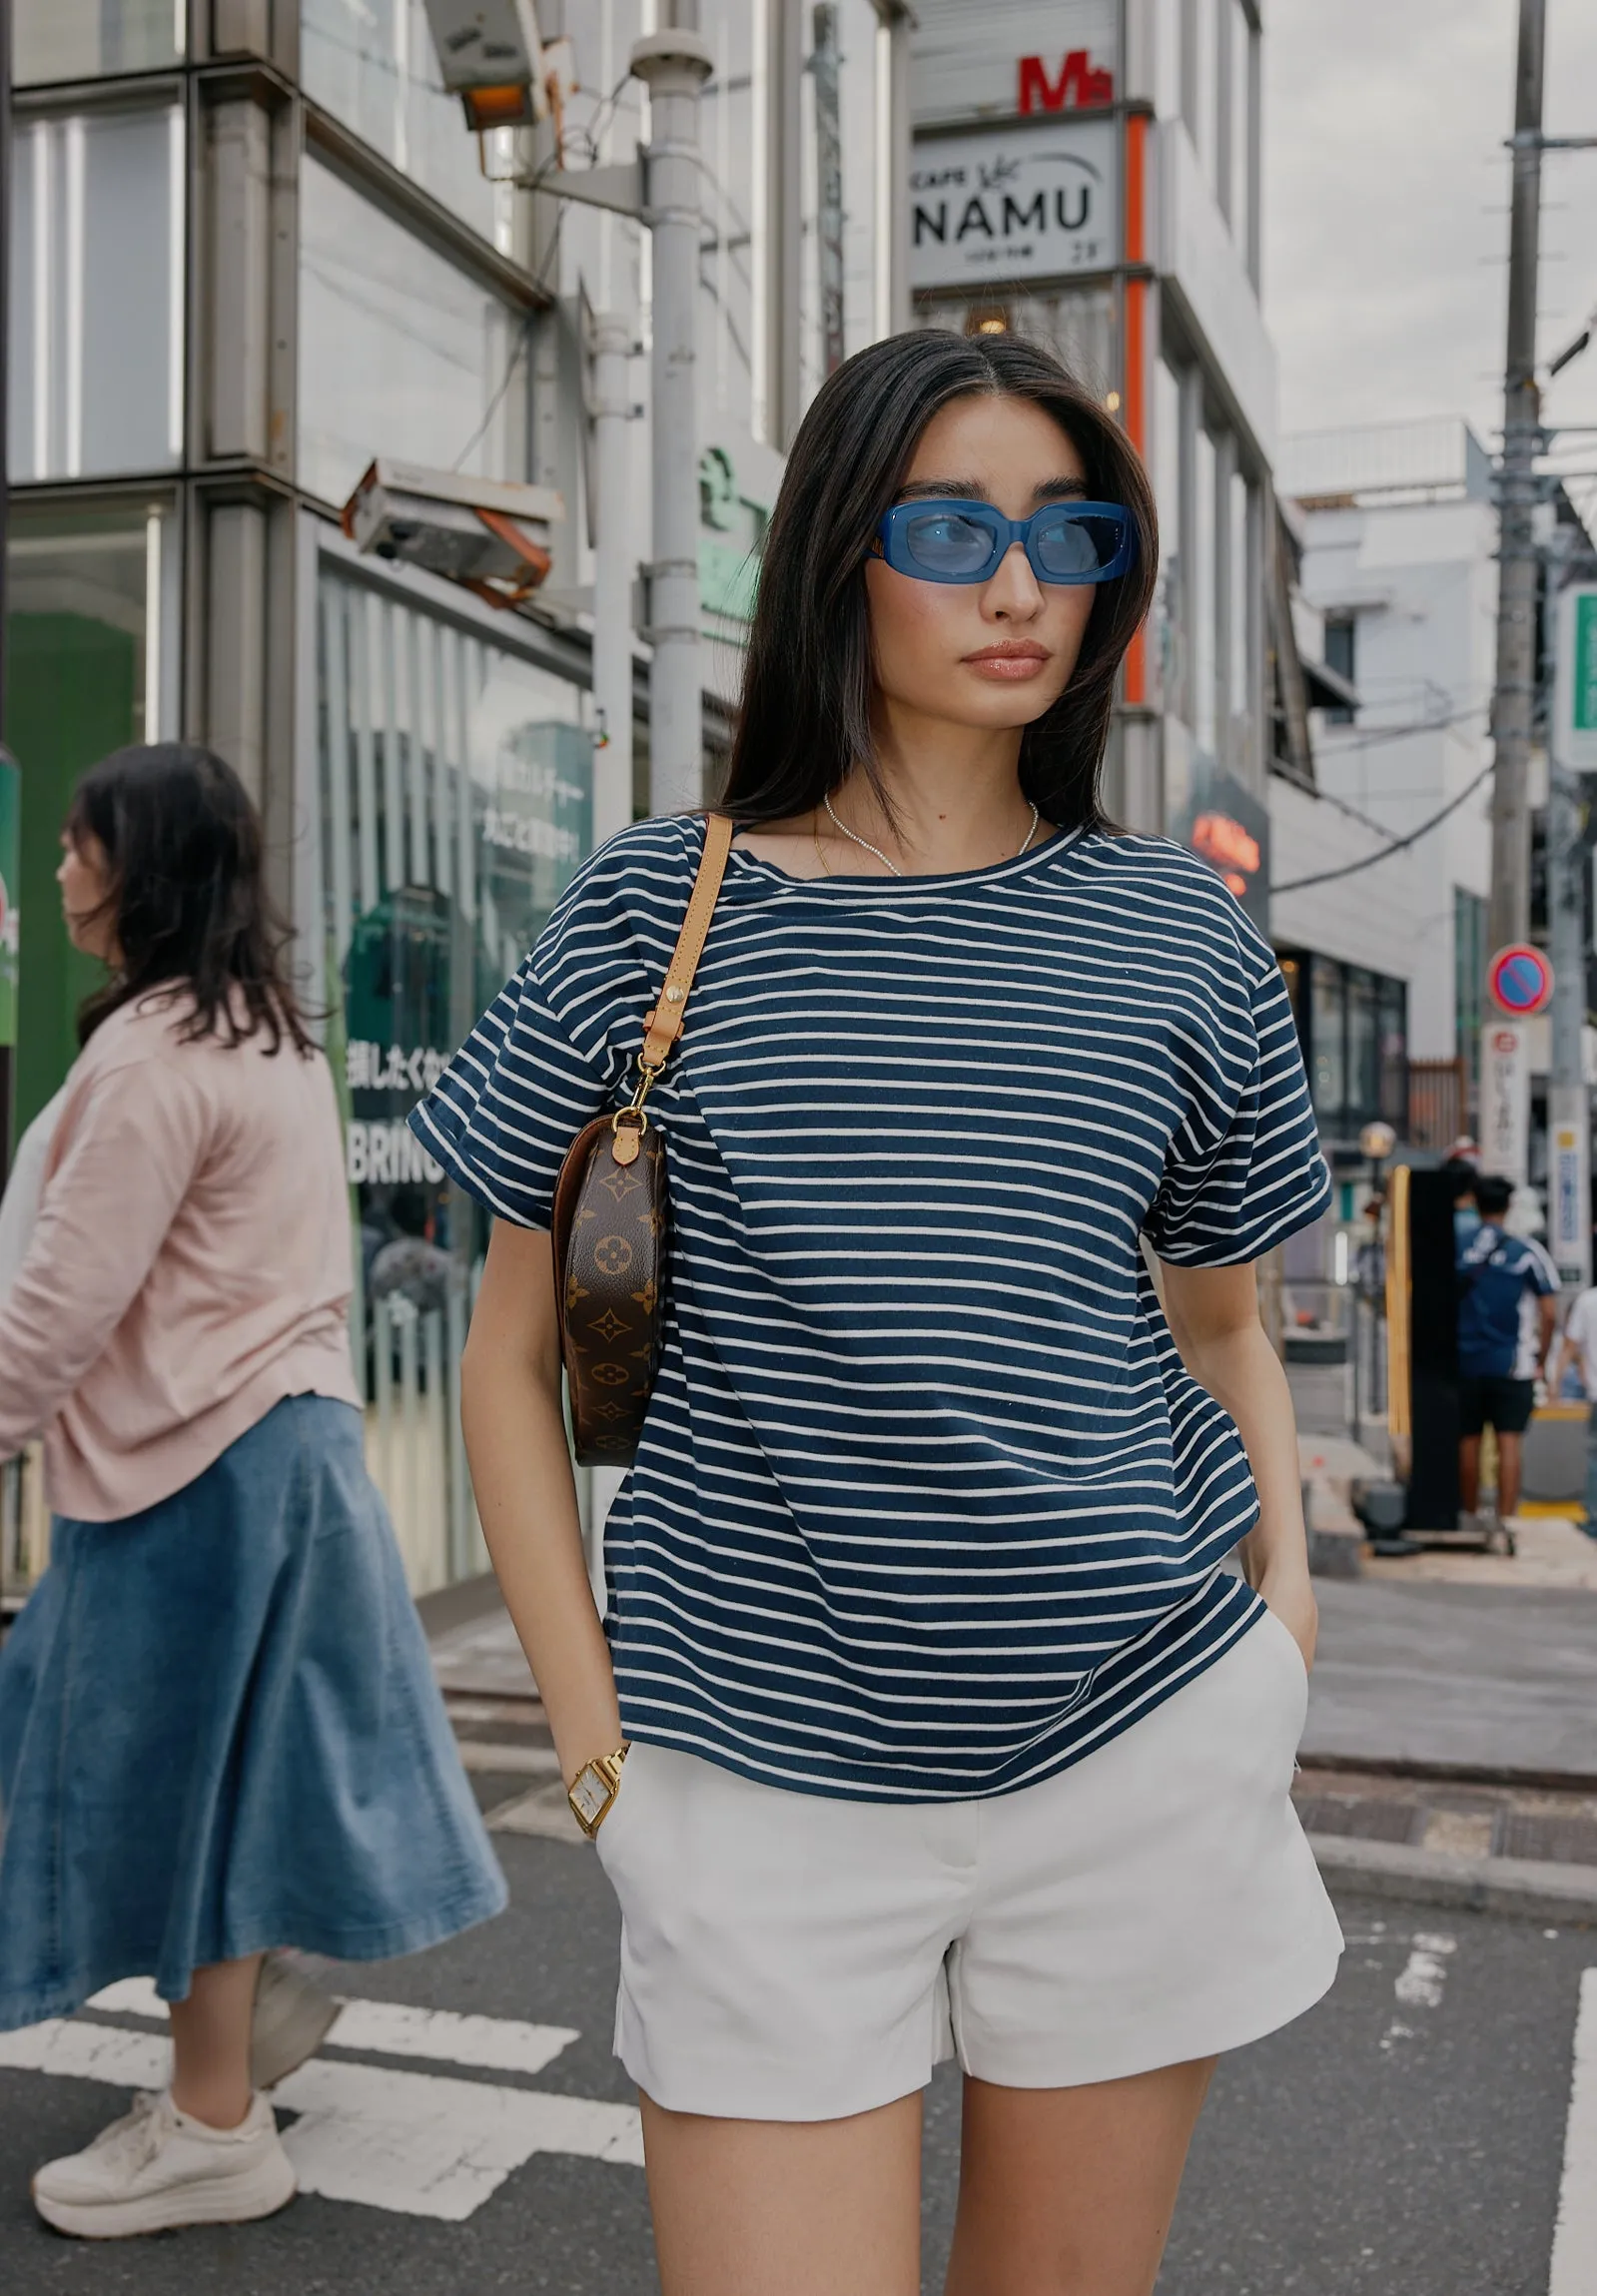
pixel 675 66
pixel 1569 1102
pixel 612 345
pixel 1514 698
pixel 824 64
pixel 1572 762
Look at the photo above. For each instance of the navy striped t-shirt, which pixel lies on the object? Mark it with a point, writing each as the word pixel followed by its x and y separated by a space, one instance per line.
pixel 926 1506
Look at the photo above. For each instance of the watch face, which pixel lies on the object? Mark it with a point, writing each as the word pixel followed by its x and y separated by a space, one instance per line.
pixel 590 1793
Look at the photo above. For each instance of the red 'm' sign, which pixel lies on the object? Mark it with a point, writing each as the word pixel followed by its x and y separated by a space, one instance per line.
pixel 1081 85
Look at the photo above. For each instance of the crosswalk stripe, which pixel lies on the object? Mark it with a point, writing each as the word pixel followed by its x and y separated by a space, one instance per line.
pixel 413 2143
pixel 1574 2266
pixel 396 2030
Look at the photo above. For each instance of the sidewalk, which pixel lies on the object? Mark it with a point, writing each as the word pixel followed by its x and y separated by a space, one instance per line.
pixel 1449 1755
pixel 1495 1676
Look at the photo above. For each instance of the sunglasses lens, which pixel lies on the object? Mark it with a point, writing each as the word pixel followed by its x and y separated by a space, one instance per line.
pixel 947 544
pixel 1076 546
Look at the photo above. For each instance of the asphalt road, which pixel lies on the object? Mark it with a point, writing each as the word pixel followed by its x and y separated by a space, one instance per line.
pixel 1406 2136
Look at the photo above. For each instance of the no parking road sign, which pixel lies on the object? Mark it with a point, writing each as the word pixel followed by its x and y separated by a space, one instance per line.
pixel 1520 981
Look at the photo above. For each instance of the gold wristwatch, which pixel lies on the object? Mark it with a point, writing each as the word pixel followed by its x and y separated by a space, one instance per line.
pixel 594 1788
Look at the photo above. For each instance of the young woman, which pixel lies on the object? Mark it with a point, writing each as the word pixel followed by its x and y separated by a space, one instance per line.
pixel 946 1729
pixel 219 1730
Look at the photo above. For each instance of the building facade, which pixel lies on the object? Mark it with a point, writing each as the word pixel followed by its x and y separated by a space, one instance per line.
pixel 252 247
pixel 1088 171
pixel 1396 538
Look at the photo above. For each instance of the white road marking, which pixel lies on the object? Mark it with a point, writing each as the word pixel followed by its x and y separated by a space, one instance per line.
pixel 1574 2265
pixel 1420 1981
pixel 544 1810
pixel 393 2029
pixel 1419 1985
pixel 413 2144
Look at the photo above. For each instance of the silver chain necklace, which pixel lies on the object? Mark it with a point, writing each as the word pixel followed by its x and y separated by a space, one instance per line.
pixel 892 866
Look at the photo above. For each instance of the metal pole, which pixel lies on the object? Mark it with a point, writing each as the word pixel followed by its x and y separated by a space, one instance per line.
pixel 824 63
pixel 674 65
pixel 1515 694
pixel 612 578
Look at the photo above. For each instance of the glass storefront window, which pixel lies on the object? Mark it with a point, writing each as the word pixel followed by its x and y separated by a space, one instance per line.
pixel 375 70
pixel 1363 1047
pixel 1327 1013
pixel 1355 1034
pixel 1393 1024
pixel 1075 323
pixel 457 804
pixel 399 351
pixel 97 271
pixel 83 39
pixel 90 593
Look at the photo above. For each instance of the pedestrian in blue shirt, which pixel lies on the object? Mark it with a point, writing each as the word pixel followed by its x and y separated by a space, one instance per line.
pixel 1507 1306
pixel 946 1732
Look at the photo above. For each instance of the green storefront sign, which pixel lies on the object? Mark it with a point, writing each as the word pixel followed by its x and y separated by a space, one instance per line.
pixel 1584 692
pixel 10 875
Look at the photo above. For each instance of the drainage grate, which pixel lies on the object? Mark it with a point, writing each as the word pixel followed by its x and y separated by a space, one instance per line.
pixel 1564 1840
pixel 1371 1819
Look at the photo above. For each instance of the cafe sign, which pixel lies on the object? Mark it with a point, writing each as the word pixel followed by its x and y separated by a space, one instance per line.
pixel 1037 200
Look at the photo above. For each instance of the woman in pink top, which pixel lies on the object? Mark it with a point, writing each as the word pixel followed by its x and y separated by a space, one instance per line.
pixel 219 1730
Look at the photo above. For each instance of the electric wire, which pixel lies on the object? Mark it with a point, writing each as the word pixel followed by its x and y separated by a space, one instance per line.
pixel 1398 844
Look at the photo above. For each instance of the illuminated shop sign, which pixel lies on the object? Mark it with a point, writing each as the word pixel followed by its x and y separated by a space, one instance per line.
pixel 1228 847
pixel 1229 827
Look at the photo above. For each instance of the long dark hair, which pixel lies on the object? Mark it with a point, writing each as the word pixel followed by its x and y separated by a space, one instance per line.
pixel 805 715
pixel 187 900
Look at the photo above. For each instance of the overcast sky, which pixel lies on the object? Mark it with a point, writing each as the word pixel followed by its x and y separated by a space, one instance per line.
pixel 1386 188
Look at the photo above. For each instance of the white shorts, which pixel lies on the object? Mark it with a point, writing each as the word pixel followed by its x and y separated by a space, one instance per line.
pixel 786 1957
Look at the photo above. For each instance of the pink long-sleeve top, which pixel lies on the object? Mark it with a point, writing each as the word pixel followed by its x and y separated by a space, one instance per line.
pixel 190 1269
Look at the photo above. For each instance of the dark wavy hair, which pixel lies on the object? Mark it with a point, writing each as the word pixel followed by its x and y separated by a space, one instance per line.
pixel 805 714
pixel 188 901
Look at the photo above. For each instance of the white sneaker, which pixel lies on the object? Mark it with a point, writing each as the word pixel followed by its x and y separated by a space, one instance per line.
pixel 157 2168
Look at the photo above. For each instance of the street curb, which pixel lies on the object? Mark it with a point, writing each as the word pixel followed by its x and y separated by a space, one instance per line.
pixel 1523 1886
pixel 1541 1781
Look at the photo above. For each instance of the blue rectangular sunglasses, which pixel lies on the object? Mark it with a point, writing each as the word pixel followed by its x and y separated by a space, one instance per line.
pixel 960 542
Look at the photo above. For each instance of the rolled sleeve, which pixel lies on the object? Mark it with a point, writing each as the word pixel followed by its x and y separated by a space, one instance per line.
pixel 507 1107
pixel 1244 1169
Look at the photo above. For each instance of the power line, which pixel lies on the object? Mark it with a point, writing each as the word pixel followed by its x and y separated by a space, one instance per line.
pixel 1352 867
pixel 1379 734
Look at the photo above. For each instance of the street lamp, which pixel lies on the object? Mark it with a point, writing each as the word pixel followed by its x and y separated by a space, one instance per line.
pixel 492 58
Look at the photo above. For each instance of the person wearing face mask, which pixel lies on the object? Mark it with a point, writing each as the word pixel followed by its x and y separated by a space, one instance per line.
pixel 1507 1310
pixel 925 1718
pixel 1460 1172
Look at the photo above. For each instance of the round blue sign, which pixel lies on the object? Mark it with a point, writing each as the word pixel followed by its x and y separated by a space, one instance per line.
pixel 1520 981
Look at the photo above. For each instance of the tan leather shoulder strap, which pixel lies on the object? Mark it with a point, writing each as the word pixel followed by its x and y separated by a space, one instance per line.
pixel 665 1022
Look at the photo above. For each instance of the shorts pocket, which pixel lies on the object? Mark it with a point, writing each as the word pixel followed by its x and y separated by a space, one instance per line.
pixel 1288 1640
pixel 620 1819
pixel 1293 1673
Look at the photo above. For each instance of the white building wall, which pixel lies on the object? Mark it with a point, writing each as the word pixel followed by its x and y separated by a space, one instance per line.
pixel 1371 918
pixel 1420 579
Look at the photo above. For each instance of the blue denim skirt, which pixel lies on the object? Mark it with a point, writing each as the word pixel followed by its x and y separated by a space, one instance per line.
pixel 219 1732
